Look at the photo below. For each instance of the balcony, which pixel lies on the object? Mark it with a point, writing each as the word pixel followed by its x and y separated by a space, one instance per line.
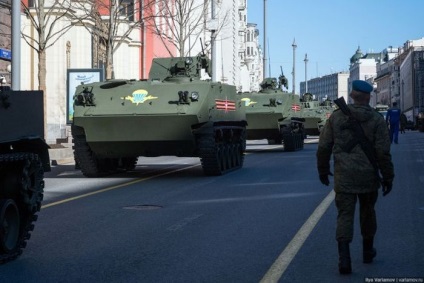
pixel 242 4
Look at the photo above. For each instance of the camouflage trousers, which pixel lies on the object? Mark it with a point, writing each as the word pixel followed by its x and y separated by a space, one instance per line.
pixel 345 204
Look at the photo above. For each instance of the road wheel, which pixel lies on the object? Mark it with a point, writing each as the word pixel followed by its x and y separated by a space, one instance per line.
pixel 32 183
pixel 9 226
pixel 129 163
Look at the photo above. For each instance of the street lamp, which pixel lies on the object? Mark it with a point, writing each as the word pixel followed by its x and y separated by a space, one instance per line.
pixel 306 72
pixel 294 45
pixel 403 97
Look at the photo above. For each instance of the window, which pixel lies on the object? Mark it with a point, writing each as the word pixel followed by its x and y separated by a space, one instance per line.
pixel 126 9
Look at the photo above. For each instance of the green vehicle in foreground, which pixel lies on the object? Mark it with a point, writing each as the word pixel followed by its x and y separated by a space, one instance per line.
pixel 268 117
pixel 24 158
pixel 174 113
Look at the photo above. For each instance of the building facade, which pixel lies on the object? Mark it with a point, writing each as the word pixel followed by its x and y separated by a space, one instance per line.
pixel 238 58
pixel 364 67
pixel 83 47
pixel 330 86
pixel 5 40
pixel 251 60
pixel 397 75
pixel 400 78
pixel 79 48
pixel 386 80
pixel 410 63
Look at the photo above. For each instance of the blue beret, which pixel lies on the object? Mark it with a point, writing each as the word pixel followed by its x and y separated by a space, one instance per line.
pixel 362 86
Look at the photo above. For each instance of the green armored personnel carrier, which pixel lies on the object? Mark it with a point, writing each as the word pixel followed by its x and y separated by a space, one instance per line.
pixel 174 113
pixel 314 113
pixel 24 158
pixel 267 113
pixel 382 109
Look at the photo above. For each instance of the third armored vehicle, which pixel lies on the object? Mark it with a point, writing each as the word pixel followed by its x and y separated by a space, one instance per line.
pixel 382 109
pixel 267 109
pixel 24 158
pixel 175 112
pixel 314 113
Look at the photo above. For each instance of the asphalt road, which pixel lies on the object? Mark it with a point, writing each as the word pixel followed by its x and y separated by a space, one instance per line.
pixel 271 221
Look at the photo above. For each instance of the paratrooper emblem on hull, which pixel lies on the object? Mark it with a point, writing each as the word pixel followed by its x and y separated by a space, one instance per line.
pixel 248 101
pixel 139 96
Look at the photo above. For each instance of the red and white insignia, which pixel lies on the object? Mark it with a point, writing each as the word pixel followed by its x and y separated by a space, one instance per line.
pixel 225 104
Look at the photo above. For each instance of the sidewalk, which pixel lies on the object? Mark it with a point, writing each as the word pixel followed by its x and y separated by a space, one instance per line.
pixel 61 155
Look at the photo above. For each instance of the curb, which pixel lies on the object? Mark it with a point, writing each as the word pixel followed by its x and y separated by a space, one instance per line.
pixel 60 156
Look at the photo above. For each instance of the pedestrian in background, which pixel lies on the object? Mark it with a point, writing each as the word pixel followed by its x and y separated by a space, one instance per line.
pixel 393 119
pixel 354 175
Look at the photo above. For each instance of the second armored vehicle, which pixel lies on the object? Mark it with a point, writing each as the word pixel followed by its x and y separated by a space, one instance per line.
pixel 175 113
pixel 267 109
pixel 24 158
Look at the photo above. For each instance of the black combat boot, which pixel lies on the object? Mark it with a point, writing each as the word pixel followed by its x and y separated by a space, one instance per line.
pixel 345 266
pixel 369 252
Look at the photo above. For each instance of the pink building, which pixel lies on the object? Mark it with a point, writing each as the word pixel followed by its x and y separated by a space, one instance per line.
pixel 143 12
pixel 153 45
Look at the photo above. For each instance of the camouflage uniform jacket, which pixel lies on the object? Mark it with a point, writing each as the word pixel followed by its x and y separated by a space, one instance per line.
pixel 353 172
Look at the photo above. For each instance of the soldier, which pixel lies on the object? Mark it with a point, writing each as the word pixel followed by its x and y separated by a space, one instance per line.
pixel 393 118
pixel 355 177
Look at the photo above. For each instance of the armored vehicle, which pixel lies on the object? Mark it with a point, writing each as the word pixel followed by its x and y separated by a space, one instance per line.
pixel 267 109
pixel 24 158
pixel 327 109
pixel 382 109
pixel 314 113
pixel 173 113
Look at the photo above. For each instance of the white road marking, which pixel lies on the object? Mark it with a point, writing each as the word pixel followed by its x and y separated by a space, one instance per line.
pixel 284 259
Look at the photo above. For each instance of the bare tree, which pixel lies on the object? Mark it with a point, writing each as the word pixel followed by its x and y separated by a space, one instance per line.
pixel 45 20
pixel 110 22
pixel 182 22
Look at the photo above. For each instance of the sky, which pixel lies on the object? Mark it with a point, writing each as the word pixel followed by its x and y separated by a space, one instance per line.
pixel 330 32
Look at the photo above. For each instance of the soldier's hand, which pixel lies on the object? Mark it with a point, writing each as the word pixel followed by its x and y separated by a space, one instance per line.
pixel 387 187
pixel 324 178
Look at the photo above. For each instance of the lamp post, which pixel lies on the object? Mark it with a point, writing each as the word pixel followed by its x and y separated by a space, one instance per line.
pixel 264 51
pixel 213 44
pixel 306 72
pixel 294 66
pixel 16 45
pixel 403 96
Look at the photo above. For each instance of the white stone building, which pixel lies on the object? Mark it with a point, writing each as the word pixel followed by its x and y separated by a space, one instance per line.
pixel 330 86
pixel 364 67
pixel 386 78
pixel 410 62
pixel 238 55
pixel 73 50
pixel 251 60
pixel 76 48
